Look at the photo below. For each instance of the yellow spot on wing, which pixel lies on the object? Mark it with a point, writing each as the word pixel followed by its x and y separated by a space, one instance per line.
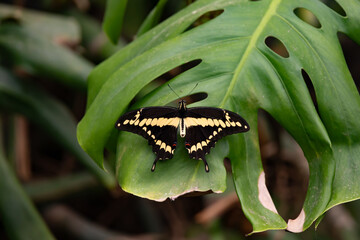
pixel 163 145
pixel 168 149
pixel 161 122
pixel 210 122
pixel 173 122
pixel 190 122
pixel 154 121
pixel 126 122
pixel 203 122
pixel 142 122
pixel 227 117
pixel 239 124
pixel 199 146
pixel 148 121
pixel 193 148
pixel 222 123
pixel 158 142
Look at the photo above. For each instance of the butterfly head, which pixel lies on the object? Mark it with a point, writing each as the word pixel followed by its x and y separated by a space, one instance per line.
pixel 182 105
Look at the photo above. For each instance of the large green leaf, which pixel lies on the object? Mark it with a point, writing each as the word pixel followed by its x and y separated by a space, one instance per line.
pixel 241 73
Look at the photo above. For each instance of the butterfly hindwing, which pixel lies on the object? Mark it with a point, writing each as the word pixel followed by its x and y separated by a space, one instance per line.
pixel 157 124
pixel 205 126
pixel 197 143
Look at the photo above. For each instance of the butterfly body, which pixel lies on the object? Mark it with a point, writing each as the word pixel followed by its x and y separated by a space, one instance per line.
pixel 200 126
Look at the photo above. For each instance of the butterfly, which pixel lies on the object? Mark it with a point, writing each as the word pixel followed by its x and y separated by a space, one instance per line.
pixel 202 127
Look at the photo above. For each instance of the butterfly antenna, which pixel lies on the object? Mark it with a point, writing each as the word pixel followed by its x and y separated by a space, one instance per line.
pixel 193 88
pixel 189 92
pixel 174 91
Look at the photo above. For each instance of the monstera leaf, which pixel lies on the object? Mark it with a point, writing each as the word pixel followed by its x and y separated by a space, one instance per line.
pixel 239 72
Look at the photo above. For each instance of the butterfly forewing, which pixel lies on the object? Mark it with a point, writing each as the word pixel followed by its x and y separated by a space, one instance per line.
pixel 157 124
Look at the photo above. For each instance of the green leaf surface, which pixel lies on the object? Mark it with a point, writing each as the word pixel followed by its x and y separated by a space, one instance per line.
pixel 50 115
pixel 153 18
pixel 114 17
pixel 241 73
pixel 40 56
pixel 18 214
pixel 183 174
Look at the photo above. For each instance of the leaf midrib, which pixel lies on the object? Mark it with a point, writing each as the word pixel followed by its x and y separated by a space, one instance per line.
pixel 253 40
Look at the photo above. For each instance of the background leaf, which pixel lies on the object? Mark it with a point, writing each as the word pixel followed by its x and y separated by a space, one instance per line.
pixel 30 45
pixel 48 114
pixel 19 216
pixel 241 73
pixel 48 26
pixel 113 20
pixel 153 18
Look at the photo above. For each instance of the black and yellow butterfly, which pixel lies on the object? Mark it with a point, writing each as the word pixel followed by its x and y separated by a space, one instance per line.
pixel 201 127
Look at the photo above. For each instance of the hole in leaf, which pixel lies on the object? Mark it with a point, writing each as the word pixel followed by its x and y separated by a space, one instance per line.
pixel 10 20
pixel 277 46
pixel 311 89
pixel 196 97
pixel 166 77
pixel 307 16
pixel 351 52
pixel 205 18
pixel 286 168
pixel 334 5
pixel 179 69
pixel 191 97
pixel 227 165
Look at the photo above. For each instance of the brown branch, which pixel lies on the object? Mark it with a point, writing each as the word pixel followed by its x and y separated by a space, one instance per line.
pixel 22 149
pixel 61 218
pixel 216 209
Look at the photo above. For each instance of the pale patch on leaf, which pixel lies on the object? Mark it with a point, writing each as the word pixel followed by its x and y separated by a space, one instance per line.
pixel 297 225
pixel 264 195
